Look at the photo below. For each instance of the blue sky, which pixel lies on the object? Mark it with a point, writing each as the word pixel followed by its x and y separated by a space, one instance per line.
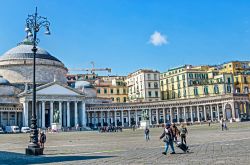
pixel 116 33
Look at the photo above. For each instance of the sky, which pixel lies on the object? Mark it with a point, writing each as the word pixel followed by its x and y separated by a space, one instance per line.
pixel 128 35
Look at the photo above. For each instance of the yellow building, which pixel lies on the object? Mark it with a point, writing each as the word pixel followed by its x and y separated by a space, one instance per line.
pixel 112 87
pixel 241 73
pixel 192 82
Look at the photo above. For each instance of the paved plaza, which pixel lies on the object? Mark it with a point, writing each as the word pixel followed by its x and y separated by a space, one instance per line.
pixel 208 145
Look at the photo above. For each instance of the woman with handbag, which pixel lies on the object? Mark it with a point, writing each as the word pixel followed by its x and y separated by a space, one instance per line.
pixel 168 138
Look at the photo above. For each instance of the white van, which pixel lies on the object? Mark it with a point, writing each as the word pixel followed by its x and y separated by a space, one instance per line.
pixel 12 129
pixel 25 129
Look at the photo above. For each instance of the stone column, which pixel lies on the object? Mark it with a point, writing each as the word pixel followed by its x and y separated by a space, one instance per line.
pixel 16 118
pixel 205 113
pixel 122 118
pixel 101 118
pixel 164 115
pixel 115 118
pixel 192 117
pixel 60 112
pixel 129 120
pixel 25 114
pixel 233 110
pixel 171 115
pixel 178 115
pixel 157 116
pixel 211 111
pixel 68 114
pixel 198 113
pixel 136 118
pixel 84 119
pixel 150 117
pixel 43 114
pixel 76 114
pixel 185 118
pixel 224 111
pixel 218 112
pixel 51 112
pixel 108 118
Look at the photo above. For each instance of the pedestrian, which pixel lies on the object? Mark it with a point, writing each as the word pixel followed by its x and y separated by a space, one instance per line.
pixel 183 133
pixel 222 125
pixel 147 134
pixel 168 136
pixel 176 131
pixel 209 122
pixel 225 125
pixel 42 139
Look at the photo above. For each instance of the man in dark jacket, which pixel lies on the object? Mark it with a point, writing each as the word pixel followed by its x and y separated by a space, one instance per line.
pixel 169 138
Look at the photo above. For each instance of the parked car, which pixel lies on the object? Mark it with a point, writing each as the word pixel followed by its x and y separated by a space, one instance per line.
pixel 1 130
pixel 12 129
pixel 25 129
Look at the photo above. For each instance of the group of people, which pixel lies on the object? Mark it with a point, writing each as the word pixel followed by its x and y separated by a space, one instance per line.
pixel 110 129
pixel 170 135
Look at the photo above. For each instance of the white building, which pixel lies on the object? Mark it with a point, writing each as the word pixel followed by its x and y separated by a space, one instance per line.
pixel 143 86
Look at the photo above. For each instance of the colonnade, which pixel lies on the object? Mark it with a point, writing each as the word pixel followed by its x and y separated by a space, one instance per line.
pixel 71 113
pixel 120 116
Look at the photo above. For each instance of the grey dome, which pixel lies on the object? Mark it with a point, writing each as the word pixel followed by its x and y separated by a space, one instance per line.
pixel 3 81
pixel 23 51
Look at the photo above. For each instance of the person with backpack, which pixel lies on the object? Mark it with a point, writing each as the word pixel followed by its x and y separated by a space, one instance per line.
pixel 183 133
pixel 176 131
pixel 168 136
pixel 42 139
pixel 147 134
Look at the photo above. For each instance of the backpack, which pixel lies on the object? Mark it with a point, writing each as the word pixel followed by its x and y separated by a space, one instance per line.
pixel 183 131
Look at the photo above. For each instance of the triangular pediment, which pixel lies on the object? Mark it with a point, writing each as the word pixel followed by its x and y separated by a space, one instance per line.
pixel 56 89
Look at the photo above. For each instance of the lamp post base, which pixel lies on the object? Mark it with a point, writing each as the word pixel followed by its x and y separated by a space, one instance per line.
pixel 34 151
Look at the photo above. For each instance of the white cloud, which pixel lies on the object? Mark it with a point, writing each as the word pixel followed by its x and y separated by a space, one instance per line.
pixel 157 39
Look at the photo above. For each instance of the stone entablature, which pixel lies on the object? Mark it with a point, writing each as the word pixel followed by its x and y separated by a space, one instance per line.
pixel 165 104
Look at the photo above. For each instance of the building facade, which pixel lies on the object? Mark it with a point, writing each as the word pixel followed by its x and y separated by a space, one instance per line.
pixel 187 82
pixel 143 86
pixel 112 87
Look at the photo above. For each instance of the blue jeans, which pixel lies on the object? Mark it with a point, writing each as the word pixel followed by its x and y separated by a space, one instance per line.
pixel 171 145
pixel 147 137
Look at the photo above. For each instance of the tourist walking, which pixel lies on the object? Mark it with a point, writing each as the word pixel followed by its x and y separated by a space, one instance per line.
pixel 42 139
pixel 168 138
pixel 183 133
pixel 147 134
pixel 176 131
pixel 222 125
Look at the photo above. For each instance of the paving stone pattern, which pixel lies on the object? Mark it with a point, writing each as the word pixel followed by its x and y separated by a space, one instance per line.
pixel 208 145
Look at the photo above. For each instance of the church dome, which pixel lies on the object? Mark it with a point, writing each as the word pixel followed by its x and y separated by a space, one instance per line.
pixel 16 65
pixel 24 51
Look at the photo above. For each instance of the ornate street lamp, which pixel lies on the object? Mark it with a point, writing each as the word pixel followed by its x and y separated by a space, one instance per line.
pixel 33 24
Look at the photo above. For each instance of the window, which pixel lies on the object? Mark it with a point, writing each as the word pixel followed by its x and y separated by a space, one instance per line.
pixel 124 99
pixel 228 80
pixel 124 91
pixel 184 93
pixel 196 91
pixel 166 81
pixel 245 80
pixel 179 93
pixel 228 89
pixel 184 84
pixel 111 91
pixel 237 90
pixel 118 99
pixel 149 94
pixel 155 85
pixel 178 78
pixel 206 90
pixel 155 76
pixel 179 86
pixel 156 94
pixel 149 85
pixel 105 90
pixel 183 77
pixel 112 98
pixel 216 89
pixel 172 86
pixel 98 90
pixel 161 83
pixel 246 90
pixel 118 91
pixel 149 76
pixel 190 75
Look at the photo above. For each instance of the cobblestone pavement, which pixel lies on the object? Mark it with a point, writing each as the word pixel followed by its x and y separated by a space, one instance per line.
pixel 208 145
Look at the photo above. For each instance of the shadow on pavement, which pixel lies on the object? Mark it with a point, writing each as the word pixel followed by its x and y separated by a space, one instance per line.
pixel 18 158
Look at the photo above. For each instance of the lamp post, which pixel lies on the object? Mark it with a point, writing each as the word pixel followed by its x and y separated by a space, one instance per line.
pixel 33 24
